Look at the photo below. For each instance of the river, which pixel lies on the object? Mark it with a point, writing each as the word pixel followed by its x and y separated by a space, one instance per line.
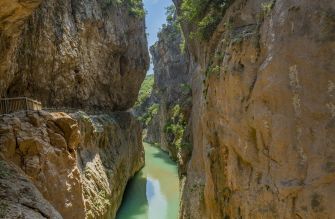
pixel 153 193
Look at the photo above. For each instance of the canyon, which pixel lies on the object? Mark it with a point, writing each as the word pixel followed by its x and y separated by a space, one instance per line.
pixel 242 98
pixel 166 111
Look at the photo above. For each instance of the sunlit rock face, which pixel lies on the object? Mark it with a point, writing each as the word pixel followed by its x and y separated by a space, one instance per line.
pixel 79 163
pixel 19 196
pixel 74 53
pixel 263 123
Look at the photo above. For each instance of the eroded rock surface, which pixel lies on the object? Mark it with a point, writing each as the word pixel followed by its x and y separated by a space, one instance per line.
pixel 110 153
pixel 19 196
pixel 263 113
pixel 80 54
pixel 81 168
pixel 13 16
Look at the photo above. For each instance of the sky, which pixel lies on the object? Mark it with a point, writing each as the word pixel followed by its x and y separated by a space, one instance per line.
pixel 154 19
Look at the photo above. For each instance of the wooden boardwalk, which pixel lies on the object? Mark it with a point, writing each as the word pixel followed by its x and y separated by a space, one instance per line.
pixel 11 105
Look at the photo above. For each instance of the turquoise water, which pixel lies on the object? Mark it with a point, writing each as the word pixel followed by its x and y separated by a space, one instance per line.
pixel 154 192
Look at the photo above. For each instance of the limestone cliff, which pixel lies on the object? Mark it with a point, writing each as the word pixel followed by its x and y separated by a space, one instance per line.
pixel 81 168
pixel 73 53
pixel 263 109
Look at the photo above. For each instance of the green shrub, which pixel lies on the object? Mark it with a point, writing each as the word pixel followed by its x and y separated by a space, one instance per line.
pixel 267 7
pixel 182 44
pixel 207 25
pixel 205 14
pixel 213 69
pixel 186 89
pixel 172 28
pixel 176 126
pixel 135 6
pixel 145 90
pixel 151 112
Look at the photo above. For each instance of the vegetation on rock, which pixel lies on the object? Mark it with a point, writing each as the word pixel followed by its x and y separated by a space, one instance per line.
pixel 205 14
pixel 145 90
pixel 135 6
pixel 149 115
pixel 175 127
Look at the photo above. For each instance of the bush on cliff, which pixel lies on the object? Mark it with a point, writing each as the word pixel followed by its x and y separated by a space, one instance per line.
pixel 145 90
pixel 135 6
pixel 176 126
pixel 205 14
pixel 149 115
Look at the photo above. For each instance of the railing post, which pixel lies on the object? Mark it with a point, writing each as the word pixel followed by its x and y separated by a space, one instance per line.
pixel 10 105
pixel 6 105
pixel 26 104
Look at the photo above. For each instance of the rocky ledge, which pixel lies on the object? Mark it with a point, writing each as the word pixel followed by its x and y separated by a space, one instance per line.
pixel 56 165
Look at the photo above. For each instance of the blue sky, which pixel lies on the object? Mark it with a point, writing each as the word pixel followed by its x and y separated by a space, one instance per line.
pixel 154 19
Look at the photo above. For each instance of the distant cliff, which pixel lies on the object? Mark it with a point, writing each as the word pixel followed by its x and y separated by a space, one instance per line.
pixel 167 110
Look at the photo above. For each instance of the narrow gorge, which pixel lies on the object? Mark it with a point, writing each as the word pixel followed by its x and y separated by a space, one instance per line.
pixel 234 117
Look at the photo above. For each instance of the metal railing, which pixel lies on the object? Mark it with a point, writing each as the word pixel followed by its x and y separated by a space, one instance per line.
pixel 11 105
pixel 69 110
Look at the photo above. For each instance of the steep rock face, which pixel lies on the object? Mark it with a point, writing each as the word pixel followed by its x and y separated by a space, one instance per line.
pixel 39 144
pixel 110 153
pixel 80 168
pixel 171 90
pixel 20 198
pixel 78 53
pixel 13 15
pixel 263 113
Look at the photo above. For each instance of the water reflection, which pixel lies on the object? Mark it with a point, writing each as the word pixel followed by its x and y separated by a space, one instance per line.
pixel 154 192
pixel 135 195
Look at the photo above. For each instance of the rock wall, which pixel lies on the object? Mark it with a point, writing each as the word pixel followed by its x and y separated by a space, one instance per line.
pixel 110 153
pixel 79 163
pixel 73 53
pixel 263 113
pixel 19 196
pixel 13 15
